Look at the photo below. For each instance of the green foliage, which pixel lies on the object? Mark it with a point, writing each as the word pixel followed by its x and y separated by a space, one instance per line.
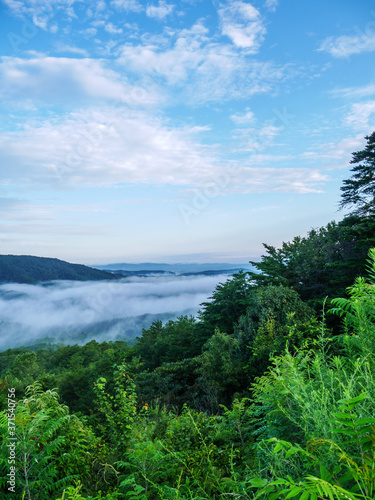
pixel 71 369
pixel 26 364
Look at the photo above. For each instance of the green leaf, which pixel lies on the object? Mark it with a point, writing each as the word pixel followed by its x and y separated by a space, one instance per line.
pixel 357 399
pixel 296 490
pixel 365 421
pixel 343 415
pixel 257 482
pixel 278 447
pixel 291 452
pixel 275 495
pixel 345 431
pixel 305 495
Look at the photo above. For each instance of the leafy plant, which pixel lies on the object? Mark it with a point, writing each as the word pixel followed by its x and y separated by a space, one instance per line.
pixel 119 409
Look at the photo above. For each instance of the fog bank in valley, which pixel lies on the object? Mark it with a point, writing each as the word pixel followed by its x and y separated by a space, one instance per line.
pixel 75 312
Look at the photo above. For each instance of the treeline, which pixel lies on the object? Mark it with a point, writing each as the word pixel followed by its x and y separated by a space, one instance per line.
pixel 269 393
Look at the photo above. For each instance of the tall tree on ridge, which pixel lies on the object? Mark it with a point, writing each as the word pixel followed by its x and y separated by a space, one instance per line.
pixel 359 190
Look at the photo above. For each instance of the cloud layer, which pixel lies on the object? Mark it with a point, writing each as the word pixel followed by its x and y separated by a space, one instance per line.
pixel 73 312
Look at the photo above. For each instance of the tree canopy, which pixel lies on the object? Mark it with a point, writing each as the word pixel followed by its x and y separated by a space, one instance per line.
pixel 325 262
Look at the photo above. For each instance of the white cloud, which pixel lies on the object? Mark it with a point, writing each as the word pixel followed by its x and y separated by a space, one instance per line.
pixel 257 138
pixel 351 92
pixel 100 5
pixel 52 79
pixel 241 119
pixel 112 29
pixel 205 70
pixel 362 116
pixel 242 23
pixel 271 5
pixel 89 31
pixel 161 11
pixel 70 49
pixel 174 63
pixel 340 150
pixel 105 147
pixel 254 178
pixel 42 12
pixel 347 45
pixel 127 5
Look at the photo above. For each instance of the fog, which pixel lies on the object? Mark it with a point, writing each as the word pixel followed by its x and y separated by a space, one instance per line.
pixel 72 312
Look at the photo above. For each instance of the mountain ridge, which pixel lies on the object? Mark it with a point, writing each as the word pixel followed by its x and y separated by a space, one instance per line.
pixel 30 269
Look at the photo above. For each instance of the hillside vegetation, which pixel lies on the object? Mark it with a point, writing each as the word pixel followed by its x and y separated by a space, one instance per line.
pixel 29 269
pixel 268 394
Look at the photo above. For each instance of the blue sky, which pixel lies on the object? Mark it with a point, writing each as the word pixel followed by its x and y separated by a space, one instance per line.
pixel 178 131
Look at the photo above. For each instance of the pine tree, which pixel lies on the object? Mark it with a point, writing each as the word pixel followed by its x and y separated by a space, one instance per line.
pixel 359 190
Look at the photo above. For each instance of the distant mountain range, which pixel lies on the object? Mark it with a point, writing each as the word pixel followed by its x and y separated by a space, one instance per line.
pixel 149 267
pixel 29 269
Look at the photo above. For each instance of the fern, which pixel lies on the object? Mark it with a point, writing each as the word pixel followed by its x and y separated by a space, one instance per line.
pixel 354 475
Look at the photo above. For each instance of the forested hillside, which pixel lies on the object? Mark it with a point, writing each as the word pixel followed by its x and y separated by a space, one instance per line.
pixel 269 393
pixel 29 269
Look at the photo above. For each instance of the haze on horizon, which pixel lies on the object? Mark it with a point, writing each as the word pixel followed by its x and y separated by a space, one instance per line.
pixel 168 131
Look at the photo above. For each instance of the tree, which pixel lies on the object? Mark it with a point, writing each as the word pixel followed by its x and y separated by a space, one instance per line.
pixel 275 315
pixel 359 190
pixel 220 368
pixel 228 302
pixel 174 341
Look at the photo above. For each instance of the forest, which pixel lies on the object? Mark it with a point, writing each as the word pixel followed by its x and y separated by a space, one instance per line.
pixel 268 393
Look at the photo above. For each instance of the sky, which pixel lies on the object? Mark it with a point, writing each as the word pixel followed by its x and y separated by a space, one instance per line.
pixel 188 131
